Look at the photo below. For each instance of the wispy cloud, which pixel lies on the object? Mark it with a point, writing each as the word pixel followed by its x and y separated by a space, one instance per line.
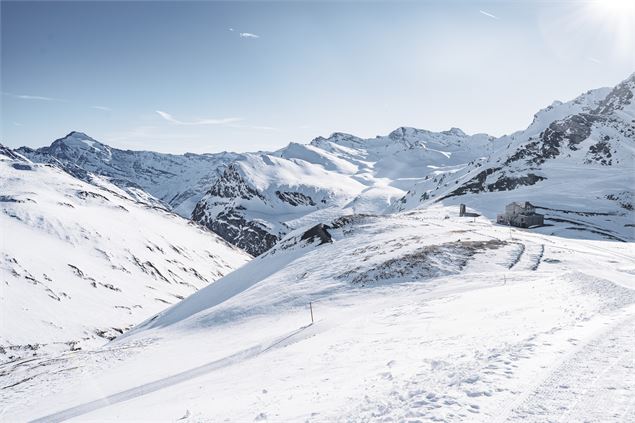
pixel 104 108
pixel 248 35
pixel 489 15
pixel 17 124
pixel 175 121
pixel 32 97
pixel 594 60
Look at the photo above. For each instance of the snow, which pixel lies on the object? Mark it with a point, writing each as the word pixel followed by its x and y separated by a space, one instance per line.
pixel 175 181
pixel 582 177
pixel 450 340
pixel 410 313
pixel 81 264
pixel 343 174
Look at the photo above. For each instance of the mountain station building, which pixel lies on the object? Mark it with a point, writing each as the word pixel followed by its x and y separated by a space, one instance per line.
pixel 521 215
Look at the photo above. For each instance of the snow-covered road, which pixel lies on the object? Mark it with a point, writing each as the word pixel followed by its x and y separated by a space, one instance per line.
pixel 593 383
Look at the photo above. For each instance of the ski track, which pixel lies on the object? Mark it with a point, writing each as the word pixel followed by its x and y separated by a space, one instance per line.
pixel 166 382
pixel 594 384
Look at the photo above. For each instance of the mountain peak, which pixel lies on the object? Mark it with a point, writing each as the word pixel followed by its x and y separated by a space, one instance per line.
pixel 339 138
pixel 455 131
pixel 76 135
pixel 78 140
pixel 404 132
pixel 77 145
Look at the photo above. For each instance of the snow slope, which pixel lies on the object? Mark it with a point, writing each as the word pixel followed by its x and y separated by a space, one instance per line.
pixel 419 316
pixel 81 263
pixel 177 181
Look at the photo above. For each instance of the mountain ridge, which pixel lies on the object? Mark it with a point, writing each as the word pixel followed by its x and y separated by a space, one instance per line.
pixel 253 199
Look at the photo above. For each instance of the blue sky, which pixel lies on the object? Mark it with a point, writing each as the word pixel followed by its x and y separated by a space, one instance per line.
pixel 244 76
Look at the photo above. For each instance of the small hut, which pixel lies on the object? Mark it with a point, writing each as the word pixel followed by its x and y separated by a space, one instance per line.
pixel 464 213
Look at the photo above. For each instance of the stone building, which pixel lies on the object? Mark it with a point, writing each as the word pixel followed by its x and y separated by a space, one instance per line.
pixel 522 215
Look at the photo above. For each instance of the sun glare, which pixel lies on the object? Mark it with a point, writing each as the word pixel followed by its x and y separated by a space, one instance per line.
pixel 615 7
pixel 617 19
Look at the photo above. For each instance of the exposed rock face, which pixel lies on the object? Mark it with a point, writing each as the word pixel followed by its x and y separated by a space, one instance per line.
pixel 620 97
pixel 251 236
pixel 232 185
pixel 7 152
pixel 295 198
pixel 568 132
pixel 221 211
pixel 600 153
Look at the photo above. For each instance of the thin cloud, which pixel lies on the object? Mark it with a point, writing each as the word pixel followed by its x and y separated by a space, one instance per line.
pixel 248 35
pixel 594 60
pixel 175 121
pixel 489 15
pixel 231 29
pixel 32 97
pixel 104 108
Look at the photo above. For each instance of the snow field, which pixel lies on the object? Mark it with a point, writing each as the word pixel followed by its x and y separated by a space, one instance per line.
pixel 473 343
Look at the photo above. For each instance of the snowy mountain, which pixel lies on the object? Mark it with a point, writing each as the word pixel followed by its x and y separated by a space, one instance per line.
pixel 370 299
pixel 418 315
pixel 176 181
pixel 81 263
pixel 261 197
pixel 252 200
pixel 575 162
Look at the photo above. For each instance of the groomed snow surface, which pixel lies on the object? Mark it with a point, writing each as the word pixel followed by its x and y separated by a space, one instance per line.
pixel 419 316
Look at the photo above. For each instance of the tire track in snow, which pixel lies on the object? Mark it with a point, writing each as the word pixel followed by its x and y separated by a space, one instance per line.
pixel 519 255
pixel 531 257
pixel 538 258
pixel 594 384
pixel 166 382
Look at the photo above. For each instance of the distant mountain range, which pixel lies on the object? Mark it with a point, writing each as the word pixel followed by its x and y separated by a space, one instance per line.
pixel 443 317
pixel 253 199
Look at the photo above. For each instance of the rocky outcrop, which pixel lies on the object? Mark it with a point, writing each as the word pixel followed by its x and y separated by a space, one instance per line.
pixel 319 233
